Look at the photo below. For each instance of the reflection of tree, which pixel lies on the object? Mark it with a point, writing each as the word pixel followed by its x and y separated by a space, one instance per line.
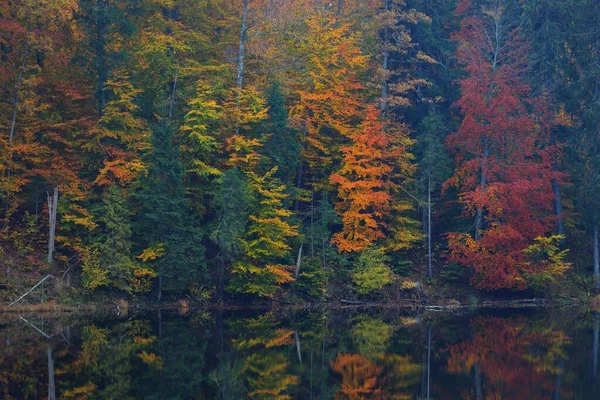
pixel 374 373
pixel 103 368
pixel 371 335
pixel 180 373
pixel 266 368
pixel 360 377
pixel 516 361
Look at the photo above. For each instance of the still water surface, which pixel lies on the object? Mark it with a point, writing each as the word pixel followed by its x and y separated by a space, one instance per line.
pixel 333 354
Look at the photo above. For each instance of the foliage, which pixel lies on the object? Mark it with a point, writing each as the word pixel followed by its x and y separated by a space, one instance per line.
pixel 371 271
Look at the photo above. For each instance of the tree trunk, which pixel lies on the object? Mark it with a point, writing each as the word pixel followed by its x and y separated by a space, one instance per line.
pixel 101 55
pixel 560 225
pixel 298 350
pixel 298 261
pixel 52 205
pixel 300 176
pixel 596 258
pixel 429 251
pixel 220 281
pixel 172 101
pixel 428 361
pixel 159 296
pixel 478 391
pixel 239 81
pixel 15 104
pixel 159 318
pixel 51 382
pixel 595 346
pixel 482 182
pixel 384 66
pixel 340 5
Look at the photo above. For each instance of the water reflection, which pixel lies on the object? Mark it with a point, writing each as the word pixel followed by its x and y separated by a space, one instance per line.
pixel 333 354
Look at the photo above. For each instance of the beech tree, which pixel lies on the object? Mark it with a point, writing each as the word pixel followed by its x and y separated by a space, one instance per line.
pixel 501 150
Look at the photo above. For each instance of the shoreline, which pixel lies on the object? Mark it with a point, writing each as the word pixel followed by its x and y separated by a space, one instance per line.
pixel 183 308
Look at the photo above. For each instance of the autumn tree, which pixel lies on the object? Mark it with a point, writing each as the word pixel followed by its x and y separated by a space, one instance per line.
pixel 501 150
pixel 329 102
pixel 375 164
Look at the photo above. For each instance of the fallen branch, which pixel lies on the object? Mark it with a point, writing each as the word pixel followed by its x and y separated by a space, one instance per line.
pixel 30 290
pixel 351 302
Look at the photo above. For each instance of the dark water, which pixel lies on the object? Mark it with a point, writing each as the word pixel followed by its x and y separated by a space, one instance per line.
pixel 333 354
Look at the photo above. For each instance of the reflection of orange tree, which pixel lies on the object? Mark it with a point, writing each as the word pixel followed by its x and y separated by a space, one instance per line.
pixel 266 368
pixel 374 373
pixel 360 377
pixel 390 376
pixel 518 361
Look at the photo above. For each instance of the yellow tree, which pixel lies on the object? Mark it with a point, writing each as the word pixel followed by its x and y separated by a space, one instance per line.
pixel 329 100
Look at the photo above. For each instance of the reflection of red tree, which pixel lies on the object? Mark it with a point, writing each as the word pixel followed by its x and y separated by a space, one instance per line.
pixel 359 377
pixel 515 361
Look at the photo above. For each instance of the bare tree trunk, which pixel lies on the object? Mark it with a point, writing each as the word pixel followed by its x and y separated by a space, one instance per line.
pixel 384 66
pixel 172 101
pixel 297 339
pixel 428 361
pixel 159 318
pixel 220 281
pixel 340 5
pixel 239 80
pixel 159 296
pixel 300 176
pixel 312 223
pixel 560 224
pixel 51 382
pixel 482 182
pixel 429 251
pixel 16 95
pixel 52 205
pixel 101 55
pixel 595 346
pixel 298 261
pixel 596 258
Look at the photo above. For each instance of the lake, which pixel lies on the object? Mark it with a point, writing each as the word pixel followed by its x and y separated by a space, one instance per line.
pixel 351 353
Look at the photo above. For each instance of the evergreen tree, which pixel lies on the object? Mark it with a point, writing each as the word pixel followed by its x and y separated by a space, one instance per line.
pixel 282 145
pixel 435 167
pixel 232 206
pixel 171 238
pixel 115 251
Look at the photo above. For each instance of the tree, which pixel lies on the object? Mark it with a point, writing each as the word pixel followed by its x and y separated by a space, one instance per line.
pixel 171 239
pixel 114 253
pixel 282 144
pixel 374 167
pixel 329 103
pixel 232 204
pixel 371 271
pixel 501 151
pixel 435 167
pixel 264 267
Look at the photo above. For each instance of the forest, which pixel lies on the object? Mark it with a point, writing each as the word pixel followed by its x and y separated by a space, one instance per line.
pixel 299 150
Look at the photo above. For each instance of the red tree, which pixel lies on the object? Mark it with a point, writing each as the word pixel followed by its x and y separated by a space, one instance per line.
pixel 502 155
